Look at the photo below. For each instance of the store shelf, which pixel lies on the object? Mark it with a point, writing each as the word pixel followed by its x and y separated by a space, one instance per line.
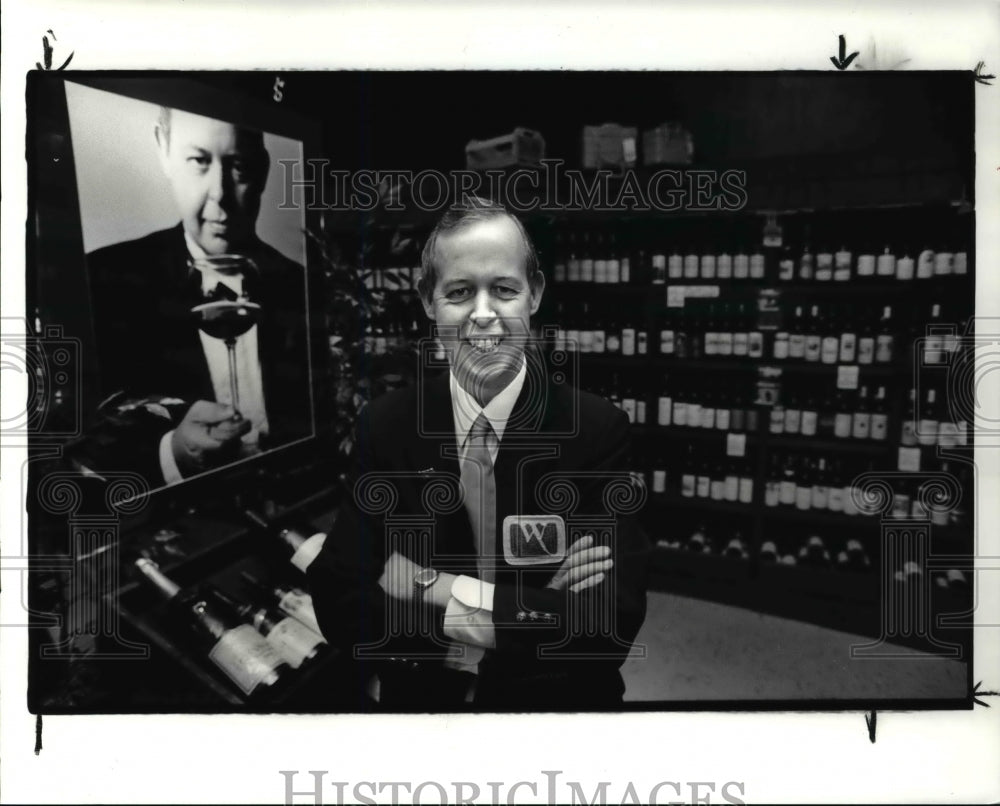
pixel 672 501
pixel 795 442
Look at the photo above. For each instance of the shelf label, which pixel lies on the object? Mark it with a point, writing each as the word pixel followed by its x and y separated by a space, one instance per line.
pixel 847 376
pixel 736 444
pixel 909 459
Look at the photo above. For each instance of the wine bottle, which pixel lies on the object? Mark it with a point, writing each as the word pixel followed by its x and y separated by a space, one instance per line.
pixel 600 261
pixel 291 600
pixel 842 262
pixel 813 342
pixel 866 342
pixel 586 261
pixel 613 271
pixel 905 268
pixel 675 265
pixel 885 341
pixel 880 416
pixel 927 430
pixel 291 639
pixel 885 268
pixel 934 340
pixel 786 490
pixel 559 266
pixel 803 486
pixel 236 648
pixel 908 433
pixel 820 486
pixel 925 264
pixel 302 544
pixel 772 486
pixel 660 475
pixel 688 476
pixel 862 418
pixel 572 260
pixel 810 417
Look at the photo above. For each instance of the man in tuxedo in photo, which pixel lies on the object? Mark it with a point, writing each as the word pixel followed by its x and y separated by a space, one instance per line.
pixel 516 605
pixel 148 341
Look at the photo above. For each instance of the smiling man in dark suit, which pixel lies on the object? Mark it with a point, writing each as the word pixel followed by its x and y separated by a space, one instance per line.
pixel 148 341
pixel 488 556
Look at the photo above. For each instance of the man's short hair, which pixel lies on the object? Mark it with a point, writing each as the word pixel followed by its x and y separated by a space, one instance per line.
pixel 163 123
pixel 469 210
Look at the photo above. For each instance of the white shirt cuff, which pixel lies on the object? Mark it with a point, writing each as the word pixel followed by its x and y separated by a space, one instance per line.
pixel 171 473
pixel 468 618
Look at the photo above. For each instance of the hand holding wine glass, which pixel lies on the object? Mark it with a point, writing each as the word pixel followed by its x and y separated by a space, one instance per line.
pixel 209 435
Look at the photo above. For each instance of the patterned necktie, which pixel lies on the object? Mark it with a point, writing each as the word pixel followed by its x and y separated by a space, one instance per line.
pixel 480 489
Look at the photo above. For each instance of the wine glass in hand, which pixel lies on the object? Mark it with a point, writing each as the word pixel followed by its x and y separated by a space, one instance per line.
pixel 226 314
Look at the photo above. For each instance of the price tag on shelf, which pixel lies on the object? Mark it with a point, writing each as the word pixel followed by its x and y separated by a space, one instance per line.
pixel 736 445
pixel 909 460
pixel 847 376
pixel 702 291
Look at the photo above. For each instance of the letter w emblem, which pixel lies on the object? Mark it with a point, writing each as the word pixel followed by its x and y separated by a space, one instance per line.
pixel 534 539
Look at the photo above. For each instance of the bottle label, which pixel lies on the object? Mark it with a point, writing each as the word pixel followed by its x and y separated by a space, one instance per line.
pixel 886 266
pixel 659 481
pixel 880 426
pixel 628 341
pixel 663 411
pixel 294 641
pixel 883 349
pixel 813 346
pixel 786 492
pixel 756 346
pixel 628 406
pixel 725 345
pixel 820 496
pixel 572 340
pixel 786 269
pixel 925 264
pixel 830 350
pixel 626 270
pixel 613 343
pixel 842 424
pixel 777 422
pixel 960 263
pixel 704 482
pixel 707 417
pixel 803 497
pixel 600 271
pixel 781 346
pixel 797 345
pixel 842 266
pixel 741 267
pixel 691 267
pixel 904 268
pixel 680 413
pixel 711 343
pixel 300 606
pixel 587 270
pixel 708 267
pixel 597 344
pixel 809 419
pixel 586 341
pixel 866 265
pixel 835 499
pixel 246 658
pixel 824 267
pixel 724 267
pixel 741 343
pixel 307 552
pixel 861 427
pixel 722 419
pixel 614 271
pixel 771 494
pixel 793 421
pixel 848 345
pixel 908 436
pixel 573 270
pixel 927 432
pixel 687 485
pixel 675 267
pixel 718 490
pixel 732 488
pixel 756 266
pixel 746 490
pixel 866 350
pixel 942 263
pixel 667 342
pixel 641 342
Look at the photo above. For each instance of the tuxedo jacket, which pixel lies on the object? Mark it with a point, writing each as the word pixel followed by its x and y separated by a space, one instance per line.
pixel 142 292
pixel 565 453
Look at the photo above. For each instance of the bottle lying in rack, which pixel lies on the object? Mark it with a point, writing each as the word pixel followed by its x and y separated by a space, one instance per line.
pixel 300 544
pixel 240 652
pixel 291 600
pixel 292 639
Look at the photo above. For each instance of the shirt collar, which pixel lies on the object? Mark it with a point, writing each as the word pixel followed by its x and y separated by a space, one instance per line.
pixel 465 408
pixel 210 278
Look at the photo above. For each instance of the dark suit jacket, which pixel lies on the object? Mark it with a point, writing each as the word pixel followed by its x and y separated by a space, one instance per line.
pixel 142 292
pixel 564 452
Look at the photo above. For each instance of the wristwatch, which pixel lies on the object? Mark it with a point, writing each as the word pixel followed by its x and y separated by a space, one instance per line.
pixel 422 581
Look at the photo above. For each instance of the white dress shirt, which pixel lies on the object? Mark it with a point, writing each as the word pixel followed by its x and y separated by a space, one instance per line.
pixel 248 372
pixel 468 618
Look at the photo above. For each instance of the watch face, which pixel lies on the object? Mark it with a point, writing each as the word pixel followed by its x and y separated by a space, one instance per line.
pixel 425 577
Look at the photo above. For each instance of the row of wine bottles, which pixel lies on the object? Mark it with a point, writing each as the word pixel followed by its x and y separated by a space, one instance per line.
pixel 602 258
pixel 828 334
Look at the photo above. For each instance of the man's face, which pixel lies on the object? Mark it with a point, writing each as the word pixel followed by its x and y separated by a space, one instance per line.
pixel 482 303
pixel 217 172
